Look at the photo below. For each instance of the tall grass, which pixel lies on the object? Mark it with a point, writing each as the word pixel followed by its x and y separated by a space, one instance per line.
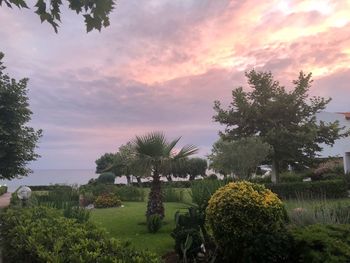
pixel 303 212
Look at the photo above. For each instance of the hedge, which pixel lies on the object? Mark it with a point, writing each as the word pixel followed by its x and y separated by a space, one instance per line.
pixel 49 187
pixel 3 190
pixel 43 235
pixel 310 190
pixel 321 244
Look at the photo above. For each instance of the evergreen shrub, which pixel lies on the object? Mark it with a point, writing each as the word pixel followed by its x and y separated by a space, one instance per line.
pixel 247 221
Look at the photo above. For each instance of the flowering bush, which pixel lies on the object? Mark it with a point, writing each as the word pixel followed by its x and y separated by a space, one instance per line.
pixel 107 200
pixel 247 221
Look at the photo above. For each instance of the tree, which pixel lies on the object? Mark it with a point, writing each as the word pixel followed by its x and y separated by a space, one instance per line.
pixel 238 157
pixel 17 141
pixel 286 120
pixel 104 162
pixel 155 153
pixel 195 167
pixel 121 163
pixel 191 167
pixel 95 12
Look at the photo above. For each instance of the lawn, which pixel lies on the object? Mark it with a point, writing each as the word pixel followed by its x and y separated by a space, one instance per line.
pixel 128 223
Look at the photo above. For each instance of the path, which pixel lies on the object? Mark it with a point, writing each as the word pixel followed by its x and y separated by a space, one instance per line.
pixel 5 200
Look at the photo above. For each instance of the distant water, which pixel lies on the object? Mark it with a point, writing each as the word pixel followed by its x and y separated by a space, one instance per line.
pixel 47 177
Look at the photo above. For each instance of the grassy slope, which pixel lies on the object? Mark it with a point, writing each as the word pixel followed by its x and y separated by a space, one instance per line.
pixel 128 223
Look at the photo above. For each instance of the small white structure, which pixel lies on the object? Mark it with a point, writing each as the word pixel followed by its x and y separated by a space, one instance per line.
pixel 341 147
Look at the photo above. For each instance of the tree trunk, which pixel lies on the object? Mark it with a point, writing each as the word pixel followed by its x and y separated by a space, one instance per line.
pixel 169 178
pixel 128 179
pixel 275 170
pixel 139 182
pixel 155 199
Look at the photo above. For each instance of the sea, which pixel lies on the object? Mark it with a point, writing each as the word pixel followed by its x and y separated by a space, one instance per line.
pixel 48 177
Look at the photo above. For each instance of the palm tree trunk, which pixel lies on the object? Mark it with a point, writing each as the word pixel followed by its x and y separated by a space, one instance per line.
pixel 155 199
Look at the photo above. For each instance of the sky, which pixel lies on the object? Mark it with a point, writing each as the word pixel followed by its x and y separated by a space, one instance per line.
pixel 161 64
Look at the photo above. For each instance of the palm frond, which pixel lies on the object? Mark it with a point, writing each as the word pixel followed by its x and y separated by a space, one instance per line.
pixel 186 151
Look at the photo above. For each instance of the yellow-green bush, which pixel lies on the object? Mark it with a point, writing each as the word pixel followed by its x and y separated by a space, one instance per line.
pixel 107 200
pixel 241 214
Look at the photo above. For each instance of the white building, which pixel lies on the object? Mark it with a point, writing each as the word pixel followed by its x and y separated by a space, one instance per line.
pixel 341 148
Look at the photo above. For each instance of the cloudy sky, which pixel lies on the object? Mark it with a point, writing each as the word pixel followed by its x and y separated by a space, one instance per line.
pixel 162 63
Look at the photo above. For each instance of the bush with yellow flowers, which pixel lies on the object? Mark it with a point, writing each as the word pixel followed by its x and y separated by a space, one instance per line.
pixel 247 221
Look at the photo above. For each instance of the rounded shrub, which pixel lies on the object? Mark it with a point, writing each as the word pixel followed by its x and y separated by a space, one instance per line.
pixel 242 215
pixel 106 178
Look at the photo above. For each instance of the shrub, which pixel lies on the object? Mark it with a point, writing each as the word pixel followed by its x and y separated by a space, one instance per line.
pixel 59 197
pixel 130 193
pixel 87 198
pixel 202 190
pixel 16 202
pixel 99 189
pixel 154 223
pixel 322 244
pixel 43 235
pixel 107 200
pixel 106 178
pixel 247 221
pixel 80 214
pixel 188 225
pixel 3 190
pixel 173 194
pixel 316 190
pixel 330 166
pixel 261 180
pixel 288 177
pixel 50 187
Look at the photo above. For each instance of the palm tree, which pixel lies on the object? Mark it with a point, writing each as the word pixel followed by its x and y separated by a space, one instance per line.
pixel 156 154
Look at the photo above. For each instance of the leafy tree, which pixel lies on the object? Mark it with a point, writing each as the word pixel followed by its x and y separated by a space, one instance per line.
pixel 104 162
pixel 155 154
pixel 191 167
pixel 195 167
pixel 239 157
pixel 286 120
pixel 122 163
pixel 17 141
pixel 95 12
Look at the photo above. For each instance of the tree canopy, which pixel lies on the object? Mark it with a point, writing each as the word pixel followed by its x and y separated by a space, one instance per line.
pixel 17 140
pixel 104 162
pixel 240 157
pixel 286 120
pixel 95 12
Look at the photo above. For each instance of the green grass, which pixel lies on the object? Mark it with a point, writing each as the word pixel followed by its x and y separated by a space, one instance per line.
pixel 129 223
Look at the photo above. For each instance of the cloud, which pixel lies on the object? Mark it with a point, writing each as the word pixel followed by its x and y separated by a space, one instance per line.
pixel 161 64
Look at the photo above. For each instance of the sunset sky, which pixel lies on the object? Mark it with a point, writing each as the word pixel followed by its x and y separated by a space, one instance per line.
pixel 162 63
